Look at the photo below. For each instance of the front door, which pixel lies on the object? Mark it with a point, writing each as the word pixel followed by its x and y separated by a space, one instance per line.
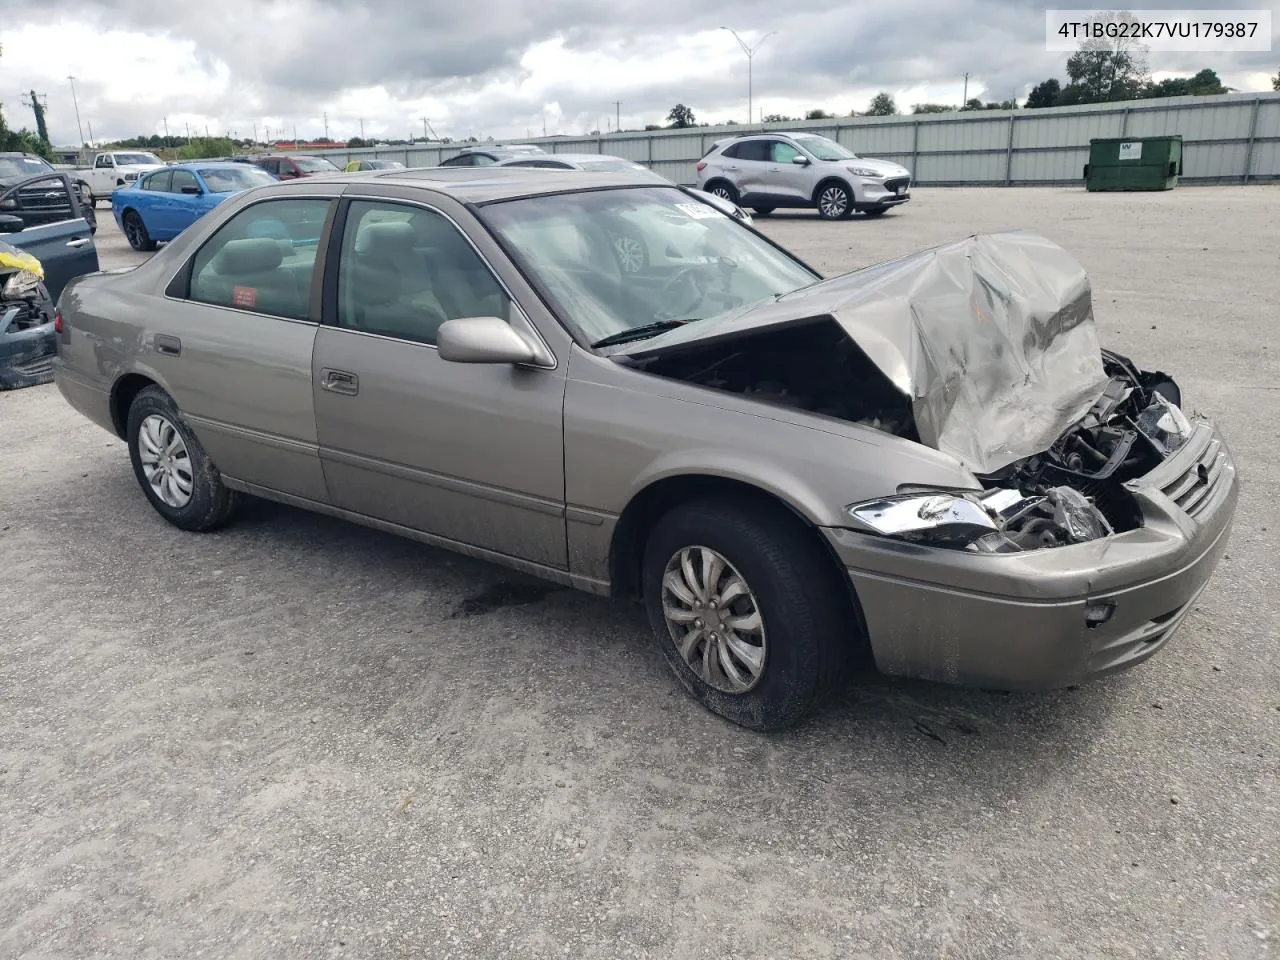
pixel 469 452
pixel 787 179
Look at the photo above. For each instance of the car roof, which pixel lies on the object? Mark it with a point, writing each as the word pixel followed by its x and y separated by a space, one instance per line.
pixel 569 157
pixel 484 184
pixel 207 165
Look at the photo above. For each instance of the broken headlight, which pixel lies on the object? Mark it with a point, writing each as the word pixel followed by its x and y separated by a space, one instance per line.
pixel 991 521
pixel 20 285
pixel 1166 426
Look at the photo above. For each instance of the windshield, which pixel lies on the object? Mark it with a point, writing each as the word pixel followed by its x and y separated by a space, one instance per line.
pixel 19 168
pixel 314 165
pixel 138 160
pixel 824 149
pixel 618 260
pixel 231 179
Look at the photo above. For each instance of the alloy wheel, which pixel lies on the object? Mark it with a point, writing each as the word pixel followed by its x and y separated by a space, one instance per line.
pixel 165 461
pixel 714 619
pixel 833 202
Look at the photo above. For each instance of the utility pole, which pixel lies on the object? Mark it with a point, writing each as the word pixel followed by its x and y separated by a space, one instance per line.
pixel 76 104
pixel 166 129
pixel 326 124
pixel 750 52
pixel 434 135
pixel 964 99
pixel 255 131
pixel 90 125
pixel 188 126
pixel 362 128
pixel 424 128
pixel 295 136
pixel 617 113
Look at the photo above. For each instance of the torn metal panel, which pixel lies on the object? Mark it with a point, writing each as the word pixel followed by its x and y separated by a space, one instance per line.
pixel 991 337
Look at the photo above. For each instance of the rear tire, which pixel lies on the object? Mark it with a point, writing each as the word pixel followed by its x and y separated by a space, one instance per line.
pixel 724 190
pixel 175 473
pixel 834 201
pixel 135 232
pixel 791 586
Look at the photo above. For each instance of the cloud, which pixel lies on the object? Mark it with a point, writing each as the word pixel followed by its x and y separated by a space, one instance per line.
pixel 505 67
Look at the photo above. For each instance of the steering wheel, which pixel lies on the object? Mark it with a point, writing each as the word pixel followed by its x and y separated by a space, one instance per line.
pixel 684 275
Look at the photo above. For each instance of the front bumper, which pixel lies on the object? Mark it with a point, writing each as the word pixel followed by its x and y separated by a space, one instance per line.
pixel 26 356
pixel 1018 621
pixel 880 194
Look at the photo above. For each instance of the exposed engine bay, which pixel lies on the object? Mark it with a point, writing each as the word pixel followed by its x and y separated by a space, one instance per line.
pixel 1073 492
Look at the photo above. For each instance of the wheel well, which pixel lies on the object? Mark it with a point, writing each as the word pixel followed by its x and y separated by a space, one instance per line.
pixel 122 395
pixel 817 191
pixel 716 181
pixel 630 535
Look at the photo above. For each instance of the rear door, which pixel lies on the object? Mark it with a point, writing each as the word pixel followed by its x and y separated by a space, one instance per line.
pixel 239 328
pixel 749 162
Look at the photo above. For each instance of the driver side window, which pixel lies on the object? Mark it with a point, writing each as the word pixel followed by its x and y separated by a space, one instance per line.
pixel 784 152
pixel 405 270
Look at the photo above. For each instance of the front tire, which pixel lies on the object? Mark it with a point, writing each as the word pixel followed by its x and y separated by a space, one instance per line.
pixel 172 468
pixel 747 610
pixel 834 201
pixel 135 232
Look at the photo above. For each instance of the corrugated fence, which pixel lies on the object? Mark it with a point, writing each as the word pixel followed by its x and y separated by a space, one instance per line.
pixel 1234 138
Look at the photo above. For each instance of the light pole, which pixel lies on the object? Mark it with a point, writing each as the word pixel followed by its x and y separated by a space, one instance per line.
pixel 750 52
pixel 76 104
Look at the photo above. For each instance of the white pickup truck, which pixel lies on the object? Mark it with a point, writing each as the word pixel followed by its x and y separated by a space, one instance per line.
pixel 115 168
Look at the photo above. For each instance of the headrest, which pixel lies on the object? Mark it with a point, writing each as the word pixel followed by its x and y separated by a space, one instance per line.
pixel 385 239
pixel 252 255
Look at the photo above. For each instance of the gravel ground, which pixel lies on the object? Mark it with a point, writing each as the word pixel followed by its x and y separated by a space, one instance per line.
pixel 299 738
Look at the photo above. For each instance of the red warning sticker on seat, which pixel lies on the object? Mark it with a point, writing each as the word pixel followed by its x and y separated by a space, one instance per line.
pixel 244 296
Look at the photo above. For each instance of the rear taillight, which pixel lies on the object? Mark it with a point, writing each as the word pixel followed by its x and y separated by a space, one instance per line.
pixel 57 321
pixel 702 165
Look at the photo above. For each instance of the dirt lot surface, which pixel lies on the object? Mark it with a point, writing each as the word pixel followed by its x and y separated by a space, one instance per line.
pixel 299 738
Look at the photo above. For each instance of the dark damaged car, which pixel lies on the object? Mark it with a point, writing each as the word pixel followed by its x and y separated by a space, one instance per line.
pixel 931 461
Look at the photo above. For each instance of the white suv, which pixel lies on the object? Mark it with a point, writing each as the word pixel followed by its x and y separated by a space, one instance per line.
pixel 774 170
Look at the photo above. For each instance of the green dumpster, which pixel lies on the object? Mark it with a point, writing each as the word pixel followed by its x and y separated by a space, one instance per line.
pixel 1134 163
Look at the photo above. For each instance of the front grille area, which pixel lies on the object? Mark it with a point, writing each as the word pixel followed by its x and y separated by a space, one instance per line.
pixel 1192 491
pixel 42 198
pixel 897 182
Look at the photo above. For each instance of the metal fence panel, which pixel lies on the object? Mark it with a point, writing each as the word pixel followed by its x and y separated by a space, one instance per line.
pixel 1228 138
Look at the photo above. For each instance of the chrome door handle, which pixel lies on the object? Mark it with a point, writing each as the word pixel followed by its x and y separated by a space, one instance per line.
pixel 339 381
pixel 78 242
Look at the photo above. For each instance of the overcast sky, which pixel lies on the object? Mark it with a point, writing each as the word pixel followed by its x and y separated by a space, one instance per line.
pixel 504 68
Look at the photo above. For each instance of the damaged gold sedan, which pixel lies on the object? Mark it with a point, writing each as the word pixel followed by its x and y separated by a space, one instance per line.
pixel 932 461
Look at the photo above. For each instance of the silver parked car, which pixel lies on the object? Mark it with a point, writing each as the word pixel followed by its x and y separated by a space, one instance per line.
pixel 803 170
pixel 930 460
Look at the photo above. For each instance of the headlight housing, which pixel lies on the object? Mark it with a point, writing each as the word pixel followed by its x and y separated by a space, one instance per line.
pixel 865 172
pixel 21 285
pixel 984 521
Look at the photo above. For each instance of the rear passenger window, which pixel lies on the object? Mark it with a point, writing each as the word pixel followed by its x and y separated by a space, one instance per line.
pixel 751 150
pixel 262 259
pixel 406 270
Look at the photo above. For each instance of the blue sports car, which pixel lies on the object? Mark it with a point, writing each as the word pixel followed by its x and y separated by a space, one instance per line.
pixel 160 205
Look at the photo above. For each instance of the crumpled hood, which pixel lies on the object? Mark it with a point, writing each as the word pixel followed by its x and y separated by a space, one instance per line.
pixel 992 338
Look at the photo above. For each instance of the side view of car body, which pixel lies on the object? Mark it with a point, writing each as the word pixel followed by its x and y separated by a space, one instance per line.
pixel 35 192
pixel 354 166
pixel 161 204
pixel 294 166
pixel 761 456
pixel 490 154
pixel 802 170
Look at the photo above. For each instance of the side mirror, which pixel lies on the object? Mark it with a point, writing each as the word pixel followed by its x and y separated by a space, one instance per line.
pixel 193 191
pixel 800 159
pixel 10 224
pixel 482 340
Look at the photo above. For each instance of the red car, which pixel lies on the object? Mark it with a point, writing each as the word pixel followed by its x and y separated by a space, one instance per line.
pixel 290 166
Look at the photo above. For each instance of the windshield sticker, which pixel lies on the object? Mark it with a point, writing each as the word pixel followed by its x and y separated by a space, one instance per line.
pixel 699 211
